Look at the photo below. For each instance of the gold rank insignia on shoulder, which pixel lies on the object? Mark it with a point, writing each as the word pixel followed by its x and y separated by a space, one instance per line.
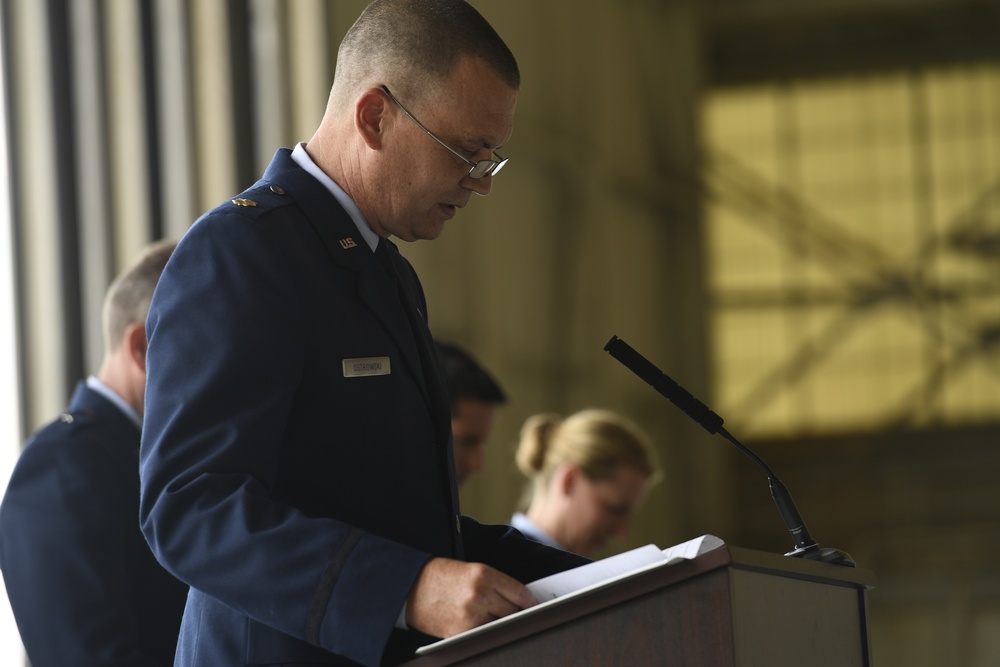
pixel 348 243
pixel 244 202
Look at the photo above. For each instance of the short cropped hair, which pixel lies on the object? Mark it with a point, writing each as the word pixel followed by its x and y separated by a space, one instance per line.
pixel 127 299
pixel 410 45
pixel 465 378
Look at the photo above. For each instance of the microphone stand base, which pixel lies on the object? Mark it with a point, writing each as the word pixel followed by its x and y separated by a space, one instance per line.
pixel 825 555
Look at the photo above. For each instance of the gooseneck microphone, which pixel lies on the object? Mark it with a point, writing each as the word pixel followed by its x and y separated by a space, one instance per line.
pixel 805 545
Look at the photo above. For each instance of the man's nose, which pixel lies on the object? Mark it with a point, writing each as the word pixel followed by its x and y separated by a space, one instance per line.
pixel 481 186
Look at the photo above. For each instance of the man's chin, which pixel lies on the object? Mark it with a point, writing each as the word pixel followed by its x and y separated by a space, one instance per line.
pixel 429 232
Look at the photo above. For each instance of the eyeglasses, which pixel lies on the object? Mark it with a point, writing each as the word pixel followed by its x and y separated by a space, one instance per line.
pixel 479 169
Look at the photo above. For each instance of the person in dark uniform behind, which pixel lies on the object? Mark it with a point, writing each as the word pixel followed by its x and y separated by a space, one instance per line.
pixel 476 398
pixel 83 584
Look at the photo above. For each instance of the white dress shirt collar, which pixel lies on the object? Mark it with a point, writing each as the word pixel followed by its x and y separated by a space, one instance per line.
pixel 301 158
pixel 107 392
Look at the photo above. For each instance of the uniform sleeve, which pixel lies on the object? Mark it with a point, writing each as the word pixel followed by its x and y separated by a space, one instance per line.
pixel 507 550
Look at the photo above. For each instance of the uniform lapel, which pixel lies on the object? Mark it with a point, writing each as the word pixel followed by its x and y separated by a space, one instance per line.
pixel 438 393
pixel 347 248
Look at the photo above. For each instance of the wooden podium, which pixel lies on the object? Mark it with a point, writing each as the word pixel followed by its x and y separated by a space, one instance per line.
pixel 728 607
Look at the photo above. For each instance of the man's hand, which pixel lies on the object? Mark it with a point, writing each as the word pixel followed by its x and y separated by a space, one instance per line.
pixel 452 596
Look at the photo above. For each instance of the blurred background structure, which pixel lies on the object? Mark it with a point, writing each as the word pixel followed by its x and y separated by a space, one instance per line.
pixel 792 208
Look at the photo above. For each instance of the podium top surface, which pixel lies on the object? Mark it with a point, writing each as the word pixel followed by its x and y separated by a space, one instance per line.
pixel 800 568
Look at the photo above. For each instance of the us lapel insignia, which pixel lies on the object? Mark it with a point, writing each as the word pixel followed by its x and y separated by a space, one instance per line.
pixel 348 243
pixel 244 202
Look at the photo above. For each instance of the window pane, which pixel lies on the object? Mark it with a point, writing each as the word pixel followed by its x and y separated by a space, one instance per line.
pixel 854 250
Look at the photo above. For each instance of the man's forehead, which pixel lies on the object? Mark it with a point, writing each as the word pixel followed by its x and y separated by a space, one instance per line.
pixel 484 104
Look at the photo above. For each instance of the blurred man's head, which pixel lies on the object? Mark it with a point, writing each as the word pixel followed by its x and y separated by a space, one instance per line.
pixel 475 400
pixel 126 305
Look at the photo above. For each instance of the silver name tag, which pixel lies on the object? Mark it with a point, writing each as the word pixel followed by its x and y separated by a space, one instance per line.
pixel 355 368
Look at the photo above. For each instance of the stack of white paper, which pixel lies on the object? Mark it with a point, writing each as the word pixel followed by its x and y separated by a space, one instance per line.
pixel 608 569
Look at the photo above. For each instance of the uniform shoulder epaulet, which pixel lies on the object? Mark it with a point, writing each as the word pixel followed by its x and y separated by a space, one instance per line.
pixel 261 196
pixel 74 417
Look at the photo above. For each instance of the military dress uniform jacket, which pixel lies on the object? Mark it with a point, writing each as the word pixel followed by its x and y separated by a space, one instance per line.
pixel 83 584
pixel 296 462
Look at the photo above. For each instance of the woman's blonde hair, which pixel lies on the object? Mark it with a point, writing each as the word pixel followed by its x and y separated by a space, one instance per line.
pixel 596 441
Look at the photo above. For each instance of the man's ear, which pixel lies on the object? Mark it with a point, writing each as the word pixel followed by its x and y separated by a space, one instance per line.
pixel 370 117
pixel 135 339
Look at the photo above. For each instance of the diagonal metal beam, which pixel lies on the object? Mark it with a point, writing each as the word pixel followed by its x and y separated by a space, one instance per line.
pixel 794 222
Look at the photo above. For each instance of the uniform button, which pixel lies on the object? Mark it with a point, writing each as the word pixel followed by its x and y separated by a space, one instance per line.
pixel 277 189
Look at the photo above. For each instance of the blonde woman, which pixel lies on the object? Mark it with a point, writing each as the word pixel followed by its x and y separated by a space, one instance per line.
pixel 589 473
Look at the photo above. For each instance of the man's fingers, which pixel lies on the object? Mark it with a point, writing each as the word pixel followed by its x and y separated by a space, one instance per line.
pixel 452 596
pixel 517 595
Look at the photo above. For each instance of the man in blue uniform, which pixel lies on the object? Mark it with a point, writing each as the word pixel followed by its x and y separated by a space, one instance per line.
pixel 83 585
pixel 296 463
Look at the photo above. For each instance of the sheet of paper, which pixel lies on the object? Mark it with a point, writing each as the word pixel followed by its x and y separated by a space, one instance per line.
pixel 562 583
pixel 692 548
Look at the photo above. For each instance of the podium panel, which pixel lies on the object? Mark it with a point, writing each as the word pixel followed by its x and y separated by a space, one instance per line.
pixel 783 621
pixel 729 607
